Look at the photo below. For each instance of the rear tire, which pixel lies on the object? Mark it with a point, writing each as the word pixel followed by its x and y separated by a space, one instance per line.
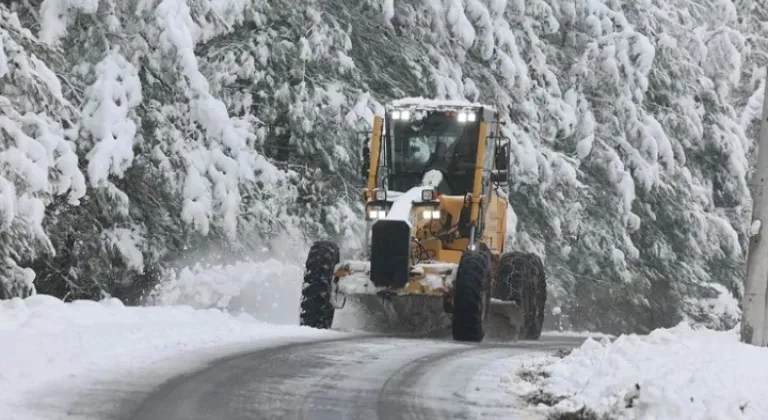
pixel 469 297
pixel 538 299
pixel 522 280
pixel 316 309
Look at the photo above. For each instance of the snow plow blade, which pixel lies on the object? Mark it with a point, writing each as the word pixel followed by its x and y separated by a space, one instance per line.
pixel 416 308
pixel 419 305
pixel 504 320
pixel 431 279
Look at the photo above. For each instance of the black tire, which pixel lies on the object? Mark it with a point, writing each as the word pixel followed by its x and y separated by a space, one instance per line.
pixel 483 247
pixel 536 297
pixel 469 297
pixel 316 308
pixel 522 280
pixel 509 285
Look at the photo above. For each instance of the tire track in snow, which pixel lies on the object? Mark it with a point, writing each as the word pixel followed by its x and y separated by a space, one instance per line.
pixel 352 378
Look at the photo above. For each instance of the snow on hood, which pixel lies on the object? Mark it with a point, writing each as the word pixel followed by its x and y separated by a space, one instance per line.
pixel 402 204
pixel 401 208
pixel 420 102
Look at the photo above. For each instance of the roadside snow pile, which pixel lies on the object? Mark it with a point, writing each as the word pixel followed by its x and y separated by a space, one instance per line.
pixel 569 333
pixel 52 350
pixel 676 373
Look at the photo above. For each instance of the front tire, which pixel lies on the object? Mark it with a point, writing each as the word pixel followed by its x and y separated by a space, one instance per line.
pixel 316 309
pixel 469 297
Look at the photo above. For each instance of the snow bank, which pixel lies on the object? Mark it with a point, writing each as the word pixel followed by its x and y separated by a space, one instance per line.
pixel 52 350
pixel 590 334
pixel 676 373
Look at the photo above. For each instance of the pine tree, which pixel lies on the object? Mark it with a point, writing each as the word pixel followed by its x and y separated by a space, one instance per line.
pixel 194 129
pixel 37 153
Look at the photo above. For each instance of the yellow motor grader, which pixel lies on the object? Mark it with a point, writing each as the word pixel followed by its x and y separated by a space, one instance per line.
pixel 437 225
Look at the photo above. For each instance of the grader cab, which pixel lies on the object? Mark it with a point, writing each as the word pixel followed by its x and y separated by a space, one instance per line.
pixel 437 225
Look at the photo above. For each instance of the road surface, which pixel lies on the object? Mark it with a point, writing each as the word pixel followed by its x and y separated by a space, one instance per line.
pixel 369 377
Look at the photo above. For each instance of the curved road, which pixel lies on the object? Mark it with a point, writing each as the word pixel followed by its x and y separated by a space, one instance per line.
pixel 365 377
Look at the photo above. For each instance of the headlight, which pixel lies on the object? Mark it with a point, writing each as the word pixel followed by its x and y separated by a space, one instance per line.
pixel 375 213
pixel 430 214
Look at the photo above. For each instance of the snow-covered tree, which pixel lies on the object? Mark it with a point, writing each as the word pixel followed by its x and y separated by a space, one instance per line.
pixel 290 68
pixel 666 139
pixel 37 154
pixel 189 128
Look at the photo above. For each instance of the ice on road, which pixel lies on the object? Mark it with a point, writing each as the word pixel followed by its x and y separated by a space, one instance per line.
pixel 100 360
pixel 357 378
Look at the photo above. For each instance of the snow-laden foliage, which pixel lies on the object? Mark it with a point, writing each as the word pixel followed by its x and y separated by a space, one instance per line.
pixel 178 159
pixel 198 127
pixel 37 153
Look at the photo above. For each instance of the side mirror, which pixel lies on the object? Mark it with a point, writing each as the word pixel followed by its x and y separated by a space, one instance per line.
pixel 366 161
pixel 502 157
pixel 500 177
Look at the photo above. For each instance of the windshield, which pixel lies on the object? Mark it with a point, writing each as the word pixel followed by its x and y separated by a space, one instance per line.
pixel 438 141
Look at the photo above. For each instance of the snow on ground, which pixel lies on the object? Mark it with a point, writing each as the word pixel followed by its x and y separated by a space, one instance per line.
pixel 566 333
pixel 54 352
pixel 93 355
pixel 491 390
pixel 87 360
pixel 677 373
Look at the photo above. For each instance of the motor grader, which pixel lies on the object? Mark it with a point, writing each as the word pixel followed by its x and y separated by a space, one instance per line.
pixel 436 215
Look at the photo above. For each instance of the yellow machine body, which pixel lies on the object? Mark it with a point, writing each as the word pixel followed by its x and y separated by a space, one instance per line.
pixel 475 217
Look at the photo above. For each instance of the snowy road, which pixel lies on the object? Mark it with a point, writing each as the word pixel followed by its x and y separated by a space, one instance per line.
pixel 351 378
